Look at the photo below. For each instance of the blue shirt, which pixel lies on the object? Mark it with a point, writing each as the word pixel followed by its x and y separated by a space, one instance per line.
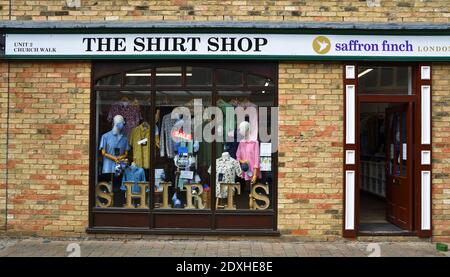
pixel 110 142
pixel 135 175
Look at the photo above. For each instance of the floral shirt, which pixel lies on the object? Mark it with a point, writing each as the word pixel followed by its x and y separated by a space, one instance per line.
pixel 227 169
pixel 130 112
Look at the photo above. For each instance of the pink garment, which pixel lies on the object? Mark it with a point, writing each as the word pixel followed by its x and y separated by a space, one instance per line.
pixel 249 151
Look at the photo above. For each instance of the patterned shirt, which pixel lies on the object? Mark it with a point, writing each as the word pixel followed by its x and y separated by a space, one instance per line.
pixel 166 143
pixel 130 112
pixel 227 169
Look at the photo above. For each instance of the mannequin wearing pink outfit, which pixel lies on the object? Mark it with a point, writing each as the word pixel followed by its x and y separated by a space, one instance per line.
pixel 248 152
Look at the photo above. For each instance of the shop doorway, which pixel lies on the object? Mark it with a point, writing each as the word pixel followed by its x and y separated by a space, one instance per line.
pixel 386 167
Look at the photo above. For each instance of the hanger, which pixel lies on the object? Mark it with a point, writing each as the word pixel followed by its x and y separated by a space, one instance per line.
pixel 235 102
pixel 157 115
pixel 136 102
pixel 124 99
pixel 146 124
pixel 220 100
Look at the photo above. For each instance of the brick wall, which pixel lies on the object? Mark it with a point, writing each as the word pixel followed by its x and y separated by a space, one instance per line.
pixel 48 148
pixel 3 127
pixel 237 10
pixel 441 152
pixel 310 189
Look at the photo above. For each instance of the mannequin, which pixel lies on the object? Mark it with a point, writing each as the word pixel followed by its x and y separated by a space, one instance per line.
pixel 227 169
pixel 114 145
pixel 114 149
pixel 248 153
pixel 226 155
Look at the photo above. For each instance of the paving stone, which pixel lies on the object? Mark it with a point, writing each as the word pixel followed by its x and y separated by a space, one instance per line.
pixel 216 248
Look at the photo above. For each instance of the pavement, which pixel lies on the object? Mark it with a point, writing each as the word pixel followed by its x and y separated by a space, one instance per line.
pixel 40 247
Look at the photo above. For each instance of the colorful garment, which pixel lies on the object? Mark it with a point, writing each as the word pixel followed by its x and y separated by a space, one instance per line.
pixel 166 143
pixel 249 151
pixel 130 112
pixel 229 122
pixel 141 152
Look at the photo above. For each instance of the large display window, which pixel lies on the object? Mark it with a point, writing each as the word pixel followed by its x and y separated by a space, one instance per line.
pixel 184 147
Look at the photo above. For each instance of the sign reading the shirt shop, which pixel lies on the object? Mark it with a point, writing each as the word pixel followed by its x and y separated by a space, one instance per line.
pixel 251 46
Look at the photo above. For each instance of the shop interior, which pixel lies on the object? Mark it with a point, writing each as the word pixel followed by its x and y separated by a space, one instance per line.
pixel 373 214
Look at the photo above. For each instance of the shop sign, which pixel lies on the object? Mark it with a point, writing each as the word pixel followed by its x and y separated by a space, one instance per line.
pixel 230 46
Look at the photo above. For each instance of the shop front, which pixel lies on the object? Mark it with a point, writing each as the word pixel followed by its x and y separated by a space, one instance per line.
pixel 301 129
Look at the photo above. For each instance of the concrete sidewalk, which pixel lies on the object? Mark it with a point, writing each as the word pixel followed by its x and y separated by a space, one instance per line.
pixel 37 247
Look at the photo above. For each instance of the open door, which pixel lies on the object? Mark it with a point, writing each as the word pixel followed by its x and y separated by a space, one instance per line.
pixel 399 166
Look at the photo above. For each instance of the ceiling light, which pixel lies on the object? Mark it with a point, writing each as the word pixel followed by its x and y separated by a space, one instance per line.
pixel 138 74
pixel 157 74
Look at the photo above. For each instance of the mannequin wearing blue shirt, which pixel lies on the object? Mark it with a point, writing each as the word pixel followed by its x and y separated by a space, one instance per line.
pixel 114 146
pixel 114 149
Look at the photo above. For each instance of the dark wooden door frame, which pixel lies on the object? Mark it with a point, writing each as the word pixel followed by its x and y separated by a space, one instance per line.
pixel 418 81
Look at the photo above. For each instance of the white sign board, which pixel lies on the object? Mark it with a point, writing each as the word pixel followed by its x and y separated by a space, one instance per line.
pixel 301 46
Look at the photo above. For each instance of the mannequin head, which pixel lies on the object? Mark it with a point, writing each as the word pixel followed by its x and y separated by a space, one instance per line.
pixel 244 129
pixel 119 123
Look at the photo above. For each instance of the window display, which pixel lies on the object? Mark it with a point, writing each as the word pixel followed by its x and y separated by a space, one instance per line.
pixel 124 151
pixel 172 138
pixel 182 154
pixel 244 144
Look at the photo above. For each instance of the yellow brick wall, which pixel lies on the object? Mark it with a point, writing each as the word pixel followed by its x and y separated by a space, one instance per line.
pixel 48 148
pixel 310 189
pixel 232 10
pixel 441 152
pixel 3 132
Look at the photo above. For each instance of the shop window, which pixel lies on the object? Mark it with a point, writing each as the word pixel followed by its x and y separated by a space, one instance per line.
pixel 244 148
pixel 176 144
pixel 182 156
pixel 141 78
pixel 198 76
pixel 394 80
pixel 169 76
pixel 258 80
pixel 227 77
pixel 110 80
pixel 123 139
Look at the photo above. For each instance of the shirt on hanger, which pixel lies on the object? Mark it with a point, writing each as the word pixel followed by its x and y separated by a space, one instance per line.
pixel 141 149
pixel 229 122
pixel 130 112
pixel 167 144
